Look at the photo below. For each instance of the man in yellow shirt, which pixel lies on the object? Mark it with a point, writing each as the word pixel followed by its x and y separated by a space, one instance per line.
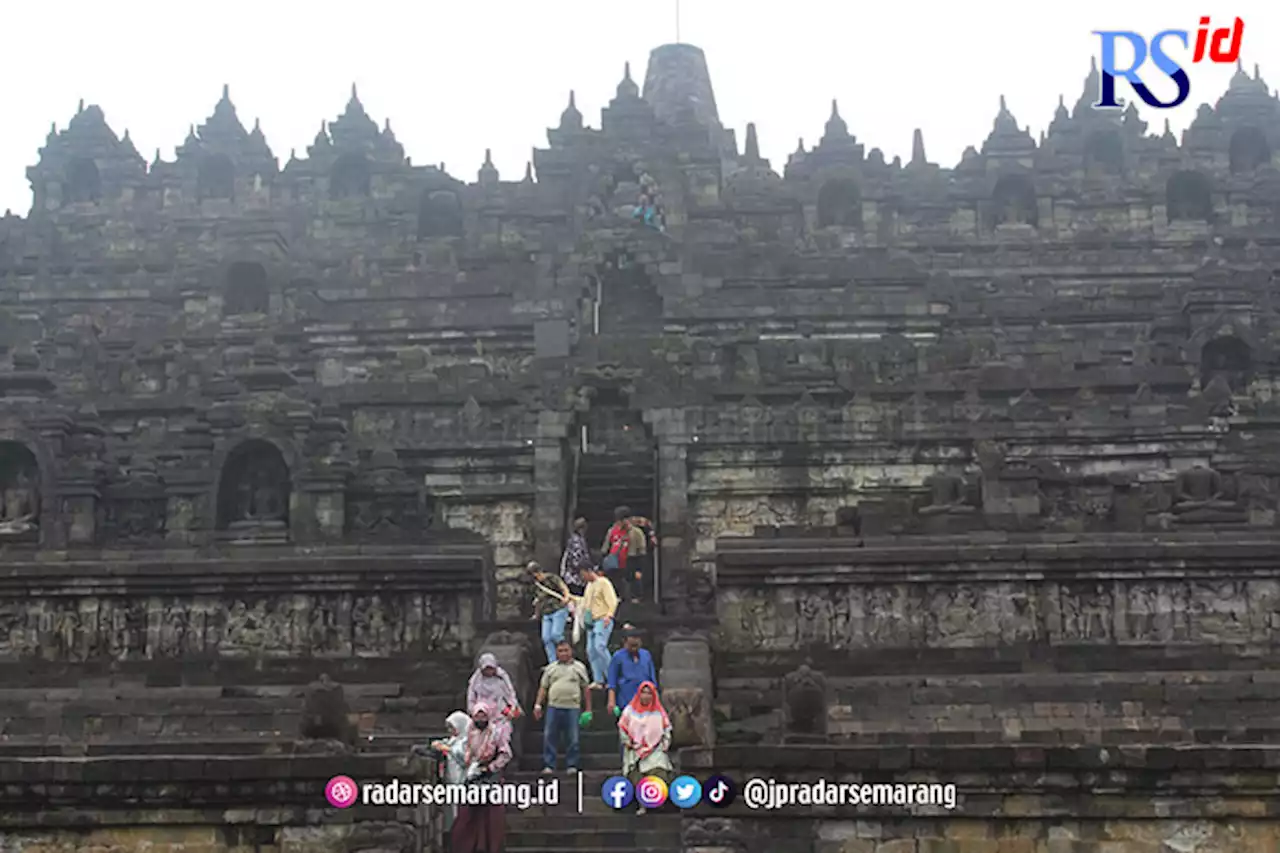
pixel 599 606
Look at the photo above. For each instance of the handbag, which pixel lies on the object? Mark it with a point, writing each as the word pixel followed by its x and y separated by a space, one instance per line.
pixel 609 563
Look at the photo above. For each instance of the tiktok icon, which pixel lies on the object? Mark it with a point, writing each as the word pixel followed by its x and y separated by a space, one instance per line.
pixel 720 792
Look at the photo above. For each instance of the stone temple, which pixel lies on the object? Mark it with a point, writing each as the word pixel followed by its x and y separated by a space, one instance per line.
pixel 961 475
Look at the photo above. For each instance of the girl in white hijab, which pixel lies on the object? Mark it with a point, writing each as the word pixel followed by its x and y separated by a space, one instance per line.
pixel 454 750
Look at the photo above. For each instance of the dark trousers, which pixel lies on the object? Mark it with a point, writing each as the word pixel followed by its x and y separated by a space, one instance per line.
pixel 639 576
pixel 560 721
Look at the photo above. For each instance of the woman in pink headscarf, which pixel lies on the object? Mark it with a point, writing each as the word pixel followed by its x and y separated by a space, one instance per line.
pixel 491 685
pixel 483 829
pixel 646 737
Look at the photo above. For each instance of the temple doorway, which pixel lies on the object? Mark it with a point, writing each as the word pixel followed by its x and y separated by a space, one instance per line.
pixel 615 465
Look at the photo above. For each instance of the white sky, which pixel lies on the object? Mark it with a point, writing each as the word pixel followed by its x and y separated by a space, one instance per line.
pixel 456 78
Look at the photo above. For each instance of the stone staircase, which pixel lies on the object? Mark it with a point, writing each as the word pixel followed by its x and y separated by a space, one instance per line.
pixel 612 479
pixel 599 828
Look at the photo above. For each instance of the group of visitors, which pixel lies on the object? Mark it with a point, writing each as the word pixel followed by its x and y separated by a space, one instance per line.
pixel 478 747
pixel 648 207
pixel 477 751
pixel 589 593
pixel 586 595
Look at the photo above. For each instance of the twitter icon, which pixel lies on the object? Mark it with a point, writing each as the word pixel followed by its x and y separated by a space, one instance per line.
pixel 686 792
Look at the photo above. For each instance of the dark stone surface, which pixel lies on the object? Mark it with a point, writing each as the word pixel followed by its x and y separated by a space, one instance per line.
pixel 1011 421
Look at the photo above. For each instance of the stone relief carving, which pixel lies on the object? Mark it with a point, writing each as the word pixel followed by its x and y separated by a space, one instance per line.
pixel 136 510
pixel 995 613
pixel 385 502
pixel 303 625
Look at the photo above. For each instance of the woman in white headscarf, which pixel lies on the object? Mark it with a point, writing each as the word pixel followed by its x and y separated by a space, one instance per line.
pixel 454 747
pixel 454 751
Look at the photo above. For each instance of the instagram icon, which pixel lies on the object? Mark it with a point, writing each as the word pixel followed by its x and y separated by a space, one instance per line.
pixel 651 792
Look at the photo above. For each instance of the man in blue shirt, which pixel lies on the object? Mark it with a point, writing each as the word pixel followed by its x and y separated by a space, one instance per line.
pixel 630 667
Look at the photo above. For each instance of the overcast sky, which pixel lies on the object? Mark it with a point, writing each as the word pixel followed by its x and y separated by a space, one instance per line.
pixel 457 78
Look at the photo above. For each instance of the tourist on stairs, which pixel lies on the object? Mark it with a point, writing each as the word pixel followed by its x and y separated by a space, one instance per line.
pixel 551 606
pixel 491 684
pixel 483 829
pixel 599 606
pixel 640 540
pixel 646 736
pixel 577 558
pixel 564 689
pixel 630 667
pixel 616 542
pixel 454 751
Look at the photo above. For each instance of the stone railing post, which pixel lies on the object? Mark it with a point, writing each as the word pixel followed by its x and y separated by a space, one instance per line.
pixel 550 477
pixel 674 536
pixel 687 690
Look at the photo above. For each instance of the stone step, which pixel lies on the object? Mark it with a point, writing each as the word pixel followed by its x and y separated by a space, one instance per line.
pixel 1053 737
pixel 1229 707
pixel 1037 661
pixel 601 738
pixel 164 713
pixel 606 834
pixel 428 668
pixel 282 744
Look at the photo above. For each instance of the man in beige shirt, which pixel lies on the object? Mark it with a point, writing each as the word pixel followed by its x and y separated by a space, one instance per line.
pixel 564 689
pixel 599 606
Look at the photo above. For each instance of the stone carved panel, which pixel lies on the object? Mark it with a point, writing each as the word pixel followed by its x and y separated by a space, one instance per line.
pixel 1002 613
pixel 135 518
pixel 302 625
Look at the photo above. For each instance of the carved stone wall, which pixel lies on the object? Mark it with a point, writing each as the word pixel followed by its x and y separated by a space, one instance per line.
pixel 950 602
pixel 200 611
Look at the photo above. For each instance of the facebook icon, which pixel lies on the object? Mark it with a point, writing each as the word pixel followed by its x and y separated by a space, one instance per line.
pixel 617 792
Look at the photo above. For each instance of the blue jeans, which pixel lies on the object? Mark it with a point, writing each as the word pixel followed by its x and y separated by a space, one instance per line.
pixel 560 720
pixel 598 649
pixel 553 631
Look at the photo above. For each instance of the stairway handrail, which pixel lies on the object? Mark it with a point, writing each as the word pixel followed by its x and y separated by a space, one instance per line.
pixel 571 492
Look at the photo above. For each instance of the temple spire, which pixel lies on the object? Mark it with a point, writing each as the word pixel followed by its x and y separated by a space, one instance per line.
pixel 917 148
pixel 571 118
pixel 627 89
pixel 836 129
pixel 752 149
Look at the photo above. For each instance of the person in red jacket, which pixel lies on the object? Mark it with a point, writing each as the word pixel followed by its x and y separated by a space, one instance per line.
pixel 617 542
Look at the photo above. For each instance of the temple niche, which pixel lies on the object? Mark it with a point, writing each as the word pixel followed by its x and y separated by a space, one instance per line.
pixel 839 204
pixel 246 290
pixel 1104 153
pixel 254 491
pixel 1013 201
pixel 216 178
pixel 1227 357
pixel 1189 197
pixel 350 177
pixel 1248 150
pixel 439 215
pixel 19 492
pixel 83 182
